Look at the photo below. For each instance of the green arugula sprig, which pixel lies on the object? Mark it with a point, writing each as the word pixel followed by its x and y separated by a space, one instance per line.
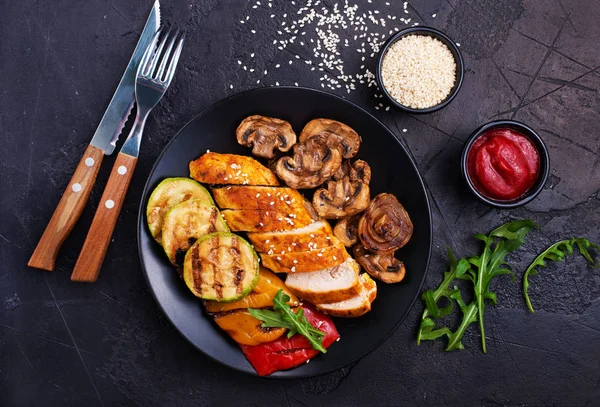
pixel 557 252
pixel 479 270
pixel 282 316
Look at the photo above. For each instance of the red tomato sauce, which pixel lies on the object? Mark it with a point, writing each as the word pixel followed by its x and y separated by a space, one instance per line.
pixel 503 164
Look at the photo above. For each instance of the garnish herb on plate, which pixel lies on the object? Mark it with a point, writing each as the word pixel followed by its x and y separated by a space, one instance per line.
pixel 557 252
pixel 282 316
pixel 479 270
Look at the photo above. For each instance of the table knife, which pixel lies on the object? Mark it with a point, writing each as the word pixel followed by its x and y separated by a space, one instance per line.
pixel 103 142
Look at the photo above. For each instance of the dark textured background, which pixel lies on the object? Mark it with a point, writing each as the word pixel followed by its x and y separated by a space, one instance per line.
pixel 108 344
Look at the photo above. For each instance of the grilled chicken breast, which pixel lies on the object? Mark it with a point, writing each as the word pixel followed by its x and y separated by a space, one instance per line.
pixel 317 234
pixel 231 169
pixel 286 200
pixel 283 261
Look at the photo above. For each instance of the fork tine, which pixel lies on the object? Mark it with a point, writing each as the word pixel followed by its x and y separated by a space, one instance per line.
pixel 148 53
pixel 165 59
pixel 174 60
pixel 154 61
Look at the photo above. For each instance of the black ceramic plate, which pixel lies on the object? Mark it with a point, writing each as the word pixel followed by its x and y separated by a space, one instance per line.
pixel 392 171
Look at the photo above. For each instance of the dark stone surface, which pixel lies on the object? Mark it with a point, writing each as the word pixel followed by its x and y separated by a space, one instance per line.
pixel 108 344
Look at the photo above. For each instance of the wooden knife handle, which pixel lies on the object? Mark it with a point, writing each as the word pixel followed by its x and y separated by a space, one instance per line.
pixel 98 238
pixel 69 209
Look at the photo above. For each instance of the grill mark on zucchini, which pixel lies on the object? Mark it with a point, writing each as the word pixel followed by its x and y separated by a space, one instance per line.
pixel 197 268
pixel 238 270
pixel 215 253
pixel 212 228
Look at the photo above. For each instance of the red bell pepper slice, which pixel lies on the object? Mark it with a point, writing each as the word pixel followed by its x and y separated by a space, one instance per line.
pixel 284 353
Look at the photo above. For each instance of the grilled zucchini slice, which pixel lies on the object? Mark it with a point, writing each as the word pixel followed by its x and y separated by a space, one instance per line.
pixel 166 195
pixel 187 222
pixel 221 267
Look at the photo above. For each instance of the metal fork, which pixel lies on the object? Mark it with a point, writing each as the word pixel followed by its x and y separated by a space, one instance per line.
pixel 155 72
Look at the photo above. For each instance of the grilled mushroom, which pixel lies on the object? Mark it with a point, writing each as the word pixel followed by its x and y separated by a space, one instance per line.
pixel 344 137
pixel 314 161
pixel 347 230
pixel 382 266
pixel 347 193
pixel 265 134
pixel 385 226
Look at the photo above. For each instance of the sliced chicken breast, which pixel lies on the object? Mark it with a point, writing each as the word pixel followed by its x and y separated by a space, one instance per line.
pixel 355 306
pixel 330 285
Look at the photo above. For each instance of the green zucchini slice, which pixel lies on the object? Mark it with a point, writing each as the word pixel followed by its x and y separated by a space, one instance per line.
pixel 166 195
pixel 187 222
pixel 221 267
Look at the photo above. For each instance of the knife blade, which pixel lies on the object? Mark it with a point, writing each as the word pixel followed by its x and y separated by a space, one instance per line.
pixel 103 142
pixel 120 106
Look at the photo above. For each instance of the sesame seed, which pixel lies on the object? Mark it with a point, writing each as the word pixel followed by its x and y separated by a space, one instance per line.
pixel 293 270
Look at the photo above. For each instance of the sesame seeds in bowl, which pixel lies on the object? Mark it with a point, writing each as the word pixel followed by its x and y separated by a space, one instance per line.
pixel 420 70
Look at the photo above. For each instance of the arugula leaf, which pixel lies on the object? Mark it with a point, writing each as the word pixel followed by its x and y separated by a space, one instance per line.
pixel 271 319
pixel 431 298
pixel 492 262
pixel 282 316
pixel 557 252
pixel 479 270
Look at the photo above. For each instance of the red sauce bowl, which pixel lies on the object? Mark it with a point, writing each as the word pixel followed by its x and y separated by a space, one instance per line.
pixel 542 172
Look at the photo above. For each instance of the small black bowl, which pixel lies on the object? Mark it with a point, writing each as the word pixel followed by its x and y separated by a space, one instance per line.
pixel 542 150
pixel 430 32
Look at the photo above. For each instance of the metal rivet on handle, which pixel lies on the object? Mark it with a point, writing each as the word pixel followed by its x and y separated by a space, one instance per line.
pixel 89 161
pixel 109 204
pixel 76 187
pixel 122 170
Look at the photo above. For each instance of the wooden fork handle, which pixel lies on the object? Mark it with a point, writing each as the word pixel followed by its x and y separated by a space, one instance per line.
pixel 98 238
pixel 68 211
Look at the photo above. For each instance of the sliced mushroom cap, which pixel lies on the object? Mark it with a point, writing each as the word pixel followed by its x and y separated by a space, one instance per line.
pixel 344 137
pixel 347 230
pixel 314 161
pixel 382 266
pixel 265 134
pixel 385 226
pixel 357 171
pixel 347 194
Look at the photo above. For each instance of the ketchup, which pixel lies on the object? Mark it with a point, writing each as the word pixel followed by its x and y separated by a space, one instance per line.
pixel 503 164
